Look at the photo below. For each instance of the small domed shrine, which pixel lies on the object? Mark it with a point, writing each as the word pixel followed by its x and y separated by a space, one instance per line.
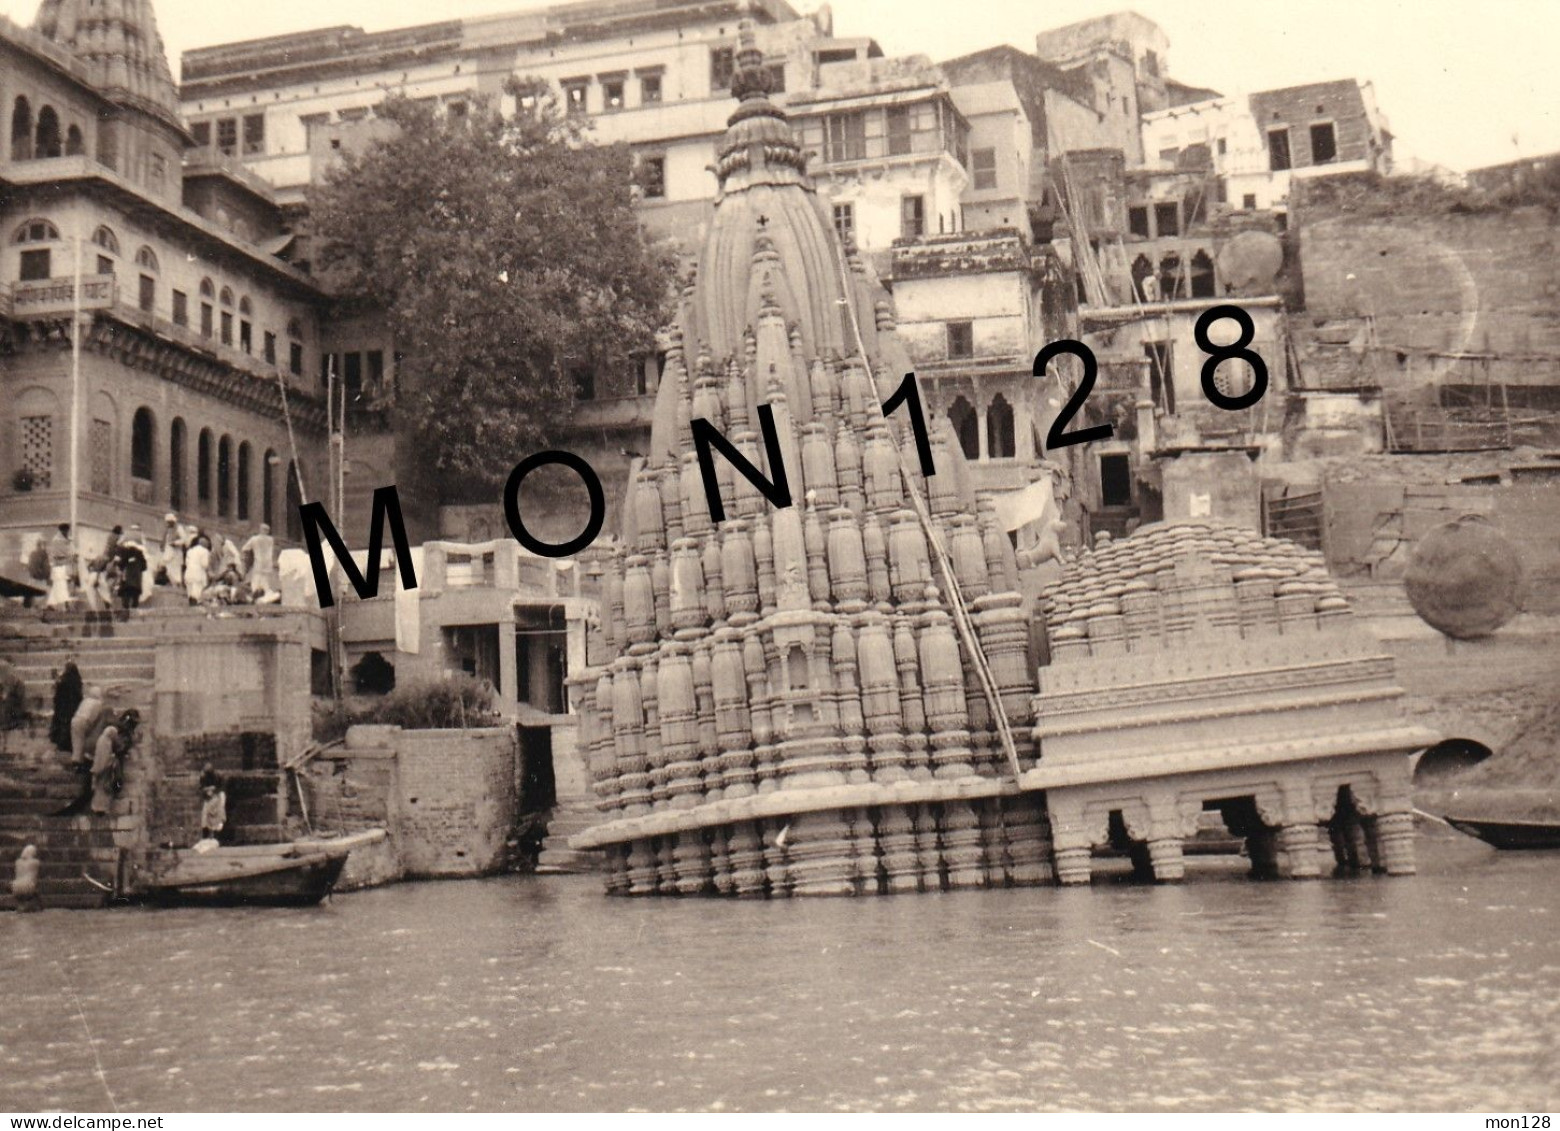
pixel 838 696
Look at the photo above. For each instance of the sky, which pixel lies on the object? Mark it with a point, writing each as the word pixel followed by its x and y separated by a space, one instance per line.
pixel 1461 84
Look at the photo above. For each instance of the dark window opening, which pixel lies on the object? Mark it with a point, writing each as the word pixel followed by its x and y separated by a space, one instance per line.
pixel 201 132
pixel 35 265
pixel 961 339
pixel 650 88
pixel 1115 480
pixel 1167 219
pixel 1203 282
pixel 898 130
pixel 984 167
pixel 270 348
pixel 1137 220
pixel 612 94
pixel 146 296
pixel 176 465
pixel 966 426
pixel 584 381
pixel 295 358
pixel 1324 144
pixel 1161 377
pixel 227 137
pixel 1278 149
pixel 1248 201
pixel 373 675
pixel 254 134
pixel 999 429
pixel 206 314
pixel 181 308
pixel 652 177
pixel 142 444
pixel 845 137
pixel 912 217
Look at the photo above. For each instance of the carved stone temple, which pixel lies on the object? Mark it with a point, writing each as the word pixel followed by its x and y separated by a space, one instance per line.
pixel 780 704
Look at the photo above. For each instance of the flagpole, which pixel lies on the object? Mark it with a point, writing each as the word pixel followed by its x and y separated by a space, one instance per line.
pixel 75 409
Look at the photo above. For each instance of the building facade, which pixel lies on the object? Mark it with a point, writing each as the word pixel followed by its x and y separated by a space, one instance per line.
pixel 198 345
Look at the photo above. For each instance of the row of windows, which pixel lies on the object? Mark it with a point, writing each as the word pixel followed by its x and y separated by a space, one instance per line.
pixel 37 264
pixel 227 133
pixel 965 419
pixel 1324 146
pixel 225 475
pixel 43 137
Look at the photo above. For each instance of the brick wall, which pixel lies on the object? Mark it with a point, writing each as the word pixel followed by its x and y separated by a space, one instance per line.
pixel 1436 279
pixel 455 800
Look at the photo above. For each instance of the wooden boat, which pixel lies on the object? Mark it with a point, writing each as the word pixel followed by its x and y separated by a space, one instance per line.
pixel 276 875
pixel 1509 834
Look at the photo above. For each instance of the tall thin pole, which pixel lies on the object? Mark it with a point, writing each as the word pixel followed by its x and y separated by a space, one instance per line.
pixel 75 406
pixel 341 454
pixel 330 430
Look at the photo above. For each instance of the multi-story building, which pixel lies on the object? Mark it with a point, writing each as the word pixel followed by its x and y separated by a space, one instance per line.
pixel 196 389
pixel 1254 145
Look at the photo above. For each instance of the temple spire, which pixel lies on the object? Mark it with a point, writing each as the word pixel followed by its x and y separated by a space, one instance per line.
pixel 119 42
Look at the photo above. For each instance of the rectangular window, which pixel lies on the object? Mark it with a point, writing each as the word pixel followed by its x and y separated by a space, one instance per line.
pixel 245 337
pixel 181 308
pixel 227 137
pixel 723 64
pixel 1161 375
pixel 295 358
pixel 270 348
pixel 912 217
pixel 35 265
pixel 147 295
pixel 1324 144
pixel 1115 480
pixel 205 319
pixel 227 328
pixel 38 449
pixel 1248 201
pixel 375 362
pixel 776 75
pixel 1137 220
pixel 652 177
pixel 584 384
pixel 897 120
pixel 352 375
pixel 984 168
pixel 845 223
pixel 105 265
pixel 961 339
pixel 327 368
pixel 649 88
pixel 201 132
pixel 574 96
pixel 612 93
pixel 1278 149
pixel 254 134
pixel 1167 219
pixel 845 137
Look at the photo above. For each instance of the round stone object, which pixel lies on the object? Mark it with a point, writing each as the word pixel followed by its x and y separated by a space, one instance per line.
pixel 1464 578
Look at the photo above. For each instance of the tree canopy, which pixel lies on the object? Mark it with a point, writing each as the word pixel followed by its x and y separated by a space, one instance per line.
pixel 507 256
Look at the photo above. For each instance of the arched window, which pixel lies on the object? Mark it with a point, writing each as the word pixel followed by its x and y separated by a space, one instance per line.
pixel 36 231
pixel 147 258
pixel 227 296
pixel 961 414
pixel 244 307
pixel 207 290
pixel 999 429
pixel 104 237
pixel 176 481
pixel 294 501
pixel 1170 283
pixel 245 458
pixel 143 445
pixel 74 146
pixel 46 141
pixel 225 476
pixel 1203 285
pixel 268 489
pixel 203 455
pixel 21 130
pixel 295 329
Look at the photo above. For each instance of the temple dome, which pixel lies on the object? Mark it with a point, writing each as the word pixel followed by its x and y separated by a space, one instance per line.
pixel 119 42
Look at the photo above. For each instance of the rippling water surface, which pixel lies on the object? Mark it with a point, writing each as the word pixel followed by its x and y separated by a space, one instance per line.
pixel 539 993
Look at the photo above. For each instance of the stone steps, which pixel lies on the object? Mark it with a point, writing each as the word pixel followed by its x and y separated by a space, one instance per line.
pixel 556 855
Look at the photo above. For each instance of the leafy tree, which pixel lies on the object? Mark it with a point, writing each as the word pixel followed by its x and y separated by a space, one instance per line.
pixel 507 256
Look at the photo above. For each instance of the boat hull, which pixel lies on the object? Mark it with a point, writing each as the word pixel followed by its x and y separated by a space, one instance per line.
pixel 1509 835
pixel 278 882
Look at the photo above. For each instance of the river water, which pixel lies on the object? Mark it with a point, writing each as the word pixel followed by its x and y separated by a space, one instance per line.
pixel 1441 991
